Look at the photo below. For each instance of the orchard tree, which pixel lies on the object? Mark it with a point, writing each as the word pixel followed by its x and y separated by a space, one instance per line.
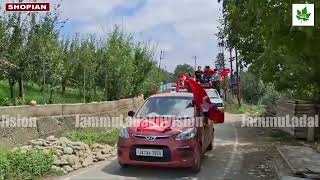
pixel 184 68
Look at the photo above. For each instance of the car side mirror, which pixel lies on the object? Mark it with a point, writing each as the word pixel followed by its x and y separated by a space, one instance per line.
pixel 131 113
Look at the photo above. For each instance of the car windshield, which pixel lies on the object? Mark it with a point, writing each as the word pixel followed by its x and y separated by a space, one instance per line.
pixel 167 107
pixel 212 93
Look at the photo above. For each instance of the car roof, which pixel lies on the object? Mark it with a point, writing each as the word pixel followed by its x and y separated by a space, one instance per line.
pixel 173 94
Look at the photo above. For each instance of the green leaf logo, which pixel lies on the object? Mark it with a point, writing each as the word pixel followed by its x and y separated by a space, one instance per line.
pixel 303 15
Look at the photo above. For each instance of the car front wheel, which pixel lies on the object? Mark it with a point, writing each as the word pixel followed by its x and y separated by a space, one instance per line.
pixel 197 163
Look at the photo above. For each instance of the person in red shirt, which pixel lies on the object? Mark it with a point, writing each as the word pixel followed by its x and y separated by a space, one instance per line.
pixel 208 73
pixel 154 91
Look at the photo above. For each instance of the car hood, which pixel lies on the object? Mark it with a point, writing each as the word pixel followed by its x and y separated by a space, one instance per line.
pixel 160 126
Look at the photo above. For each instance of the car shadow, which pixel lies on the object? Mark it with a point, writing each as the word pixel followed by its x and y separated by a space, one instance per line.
pixel 148 172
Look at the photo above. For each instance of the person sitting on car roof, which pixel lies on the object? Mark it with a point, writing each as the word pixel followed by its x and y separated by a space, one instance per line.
pixel 208 73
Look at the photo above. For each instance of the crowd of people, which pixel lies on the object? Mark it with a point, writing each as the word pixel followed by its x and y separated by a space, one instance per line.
pixel 207 75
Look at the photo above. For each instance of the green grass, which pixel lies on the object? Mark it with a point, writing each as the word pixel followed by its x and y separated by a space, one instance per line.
pixel 92 136
pixel 245 108
pixel 25 165
pixel 32 92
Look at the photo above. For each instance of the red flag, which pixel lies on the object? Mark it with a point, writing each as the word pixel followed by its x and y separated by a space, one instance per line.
pixel 182 82
pixel 225 72
pixel 200 95
pixel 203 102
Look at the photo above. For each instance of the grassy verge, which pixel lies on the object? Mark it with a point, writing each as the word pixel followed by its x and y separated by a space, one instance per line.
pixel 90 137
pixel 25 165
pixel 32 92
pixel 245 108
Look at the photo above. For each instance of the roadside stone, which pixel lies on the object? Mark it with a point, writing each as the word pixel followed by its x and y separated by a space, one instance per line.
pixel 56 168
pixel 86 162
pixel 100 157
pixel 57 162
pixel 47 151
pixel 64 140
pixel 38 147
pixel 36 143
pixel 86 147
pixel 69 155
pixel 78 165
pixel 94 146
pixel 72 159
pixel 51 138
pixel 80 153
pixel 58 152
pixel 63 160
pixel 67 150
pixel 105 151
pixel 67 168
pixel 26 148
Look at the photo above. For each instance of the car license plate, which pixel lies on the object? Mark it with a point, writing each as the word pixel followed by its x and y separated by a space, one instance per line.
pixel 149 152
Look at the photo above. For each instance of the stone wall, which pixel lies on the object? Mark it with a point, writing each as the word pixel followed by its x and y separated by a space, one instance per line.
pixel 299 108
pixel 58 118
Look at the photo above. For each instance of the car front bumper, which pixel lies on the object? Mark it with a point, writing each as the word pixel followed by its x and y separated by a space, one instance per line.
pixel 177 153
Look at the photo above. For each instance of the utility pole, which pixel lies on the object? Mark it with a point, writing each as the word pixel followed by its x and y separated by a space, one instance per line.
pixel 84 85
pixel 231 60
pixel 238 79
pixel 195 62
pixel 44 75
pixel 160 60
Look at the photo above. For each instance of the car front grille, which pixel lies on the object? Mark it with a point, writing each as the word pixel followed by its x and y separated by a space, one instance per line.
pixel 154 137
pixel 166 153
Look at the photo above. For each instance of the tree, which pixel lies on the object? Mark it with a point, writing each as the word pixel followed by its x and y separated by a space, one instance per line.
pixel 184 68
pixel 273 49
pixel 33 51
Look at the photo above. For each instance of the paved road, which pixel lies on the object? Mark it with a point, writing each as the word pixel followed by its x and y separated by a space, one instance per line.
pixel 239 154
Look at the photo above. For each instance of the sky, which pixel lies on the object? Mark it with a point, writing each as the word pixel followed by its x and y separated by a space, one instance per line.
pixel 182 28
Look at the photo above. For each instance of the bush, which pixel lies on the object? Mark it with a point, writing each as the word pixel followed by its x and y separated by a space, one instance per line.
pixel 91 137
pixel 252 88
pixel 270 96
pixel 6 102
pixel 33 164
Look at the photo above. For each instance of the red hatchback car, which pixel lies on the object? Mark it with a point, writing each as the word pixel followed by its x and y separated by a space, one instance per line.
pixel 169 146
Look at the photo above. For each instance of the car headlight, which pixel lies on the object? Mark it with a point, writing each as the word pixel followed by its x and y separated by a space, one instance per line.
pixel 124 133
pixel 188 134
